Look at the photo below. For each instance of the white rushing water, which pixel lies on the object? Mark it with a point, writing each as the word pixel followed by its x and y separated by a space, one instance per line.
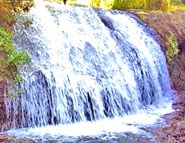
pixel 105 129
pixel 92 72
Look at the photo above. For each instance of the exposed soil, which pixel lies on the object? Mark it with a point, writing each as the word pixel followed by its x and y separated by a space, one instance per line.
pixel 174 132
pixel 165 24
pixel 7 139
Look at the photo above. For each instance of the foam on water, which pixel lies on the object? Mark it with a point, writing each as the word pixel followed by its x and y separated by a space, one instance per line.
pixel 106 128
pixel 92 72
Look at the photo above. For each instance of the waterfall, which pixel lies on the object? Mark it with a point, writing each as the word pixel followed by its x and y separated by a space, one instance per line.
pixel 87 65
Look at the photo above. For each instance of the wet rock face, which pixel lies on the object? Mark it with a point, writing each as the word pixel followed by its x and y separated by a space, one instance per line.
pixel 174 130
pixel 177 72
pixel 3 120
pixel 6 117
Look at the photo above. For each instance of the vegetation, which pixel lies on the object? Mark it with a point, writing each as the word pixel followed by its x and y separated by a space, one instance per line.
pixel 10 8
pixel 68 1
pixel 163 5
pixel 95 3
pixel 172 48
pixel 133 4
pixel 10 60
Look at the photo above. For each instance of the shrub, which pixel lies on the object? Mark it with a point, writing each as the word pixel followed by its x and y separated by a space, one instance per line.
pixel 10 60
pixel 173 48
pixel 95 3
pixel 141 4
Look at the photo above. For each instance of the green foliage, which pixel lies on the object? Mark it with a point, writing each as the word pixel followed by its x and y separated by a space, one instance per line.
pixel 132 4
pixel 123 4
pixel 10 59
pixel 178 2
pixel 141 4
pixel 127 4
pixel 173 48
pixel 106 4
pixel 9 9
pixel 95 3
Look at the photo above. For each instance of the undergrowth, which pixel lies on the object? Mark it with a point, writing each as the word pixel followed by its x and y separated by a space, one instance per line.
pixel 10 60
pixel 173 49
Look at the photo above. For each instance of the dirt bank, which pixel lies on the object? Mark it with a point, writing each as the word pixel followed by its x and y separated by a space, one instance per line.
pixel 164 25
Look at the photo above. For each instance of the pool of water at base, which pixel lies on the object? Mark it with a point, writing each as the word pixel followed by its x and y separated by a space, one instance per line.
pixel 126 129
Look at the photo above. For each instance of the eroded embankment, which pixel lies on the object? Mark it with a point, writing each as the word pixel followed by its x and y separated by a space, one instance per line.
pixel 171 25
pixel 168 25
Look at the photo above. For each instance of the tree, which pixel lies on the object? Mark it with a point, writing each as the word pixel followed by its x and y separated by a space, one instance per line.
pixel 142 4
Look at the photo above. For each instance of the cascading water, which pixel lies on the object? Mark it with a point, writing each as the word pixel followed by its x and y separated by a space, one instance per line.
pixel 87 65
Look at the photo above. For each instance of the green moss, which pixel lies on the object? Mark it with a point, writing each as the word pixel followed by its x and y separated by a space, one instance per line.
pixel 173 47
pixel 10 60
